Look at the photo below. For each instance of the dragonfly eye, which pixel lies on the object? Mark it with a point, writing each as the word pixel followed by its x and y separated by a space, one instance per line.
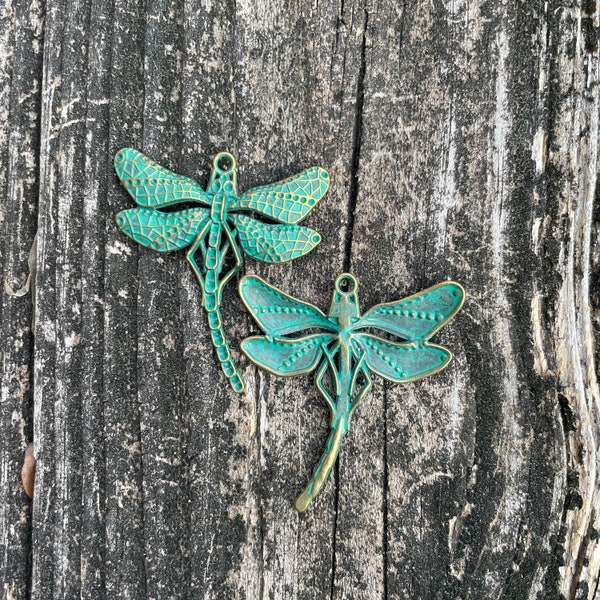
pixel 346 284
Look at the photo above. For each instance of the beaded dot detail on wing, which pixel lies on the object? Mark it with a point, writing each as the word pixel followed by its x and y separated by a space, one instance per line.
pixel 218 229
pixel 343 344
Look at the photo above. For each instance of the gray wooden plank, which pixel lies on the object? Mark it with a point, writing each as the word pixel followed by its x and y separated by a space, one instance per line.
pixel 296 106
pixel 20 84
pixel 567 159
pixel 70 411
pixel 96 537
pixel 154 479
pixel 456 121
pixel 57 398
pixel 161 379
pixel 223 525
pixel 124 569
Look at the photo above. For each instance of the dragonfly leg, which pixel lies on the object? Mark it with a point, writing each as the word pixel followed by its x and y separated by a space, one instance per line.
pixel 238 259
pixel 329 362
pixel 330 354
pixel 366 386
pixel 191 256
pixel 319 383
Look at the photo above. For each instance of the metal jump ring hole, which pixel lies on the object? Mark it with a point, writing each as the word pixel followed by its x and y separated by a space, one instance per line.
pixel 224 162
pixel 346 285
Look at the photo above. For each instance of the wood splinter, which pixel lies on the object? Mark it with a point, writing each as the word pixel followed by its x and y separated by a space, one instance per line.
pixel 28 470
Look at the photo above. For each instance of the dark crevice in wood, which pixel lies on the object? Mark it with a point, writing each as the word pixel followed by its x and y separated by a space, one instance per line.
pixel 259 488
pixel 547 205
pixel 142 516
pixel 19 161
pixel 336 500
pixel 352 204
pixel 186 429
pixel 262 535
pixel 386 487
pixel 356 144
pixel 234 89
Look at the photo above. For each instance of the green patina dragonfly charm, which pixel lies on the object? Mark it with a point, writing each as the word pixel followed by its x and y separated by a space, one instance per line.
pixel 344 344
pixel 219 227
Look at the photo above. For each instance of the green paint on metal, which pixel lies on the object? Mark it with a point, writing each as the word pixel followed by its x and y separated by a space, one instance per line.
pixel 217 230
pixel 344 344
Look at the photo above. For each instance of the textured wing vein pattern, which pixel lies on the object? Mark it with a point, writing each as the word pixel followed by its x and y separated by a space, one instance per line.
pixel 401 362
pixel 151 185
pixel 274 243
pixel 277 313
pixel 287 201
pixel 419 316
pixel 286 358
pixel 162 232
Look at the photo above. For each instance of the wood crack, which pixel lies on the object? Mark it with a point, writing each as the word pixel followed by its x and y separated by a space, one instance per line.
pixel 356 144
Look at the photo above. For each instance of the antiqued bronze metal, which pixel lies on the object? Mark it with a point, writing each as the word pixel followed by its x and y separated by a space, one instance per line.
pixel 344 344
pixel 219 227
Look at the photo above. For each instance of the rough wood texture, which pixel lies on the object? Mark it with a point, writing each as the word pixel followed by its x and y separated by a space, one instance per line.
pixel 21 35
pixel 462 141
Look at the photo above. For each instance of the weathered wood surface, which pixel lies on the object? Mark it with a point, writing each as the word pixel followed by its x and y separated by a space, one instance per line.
pixel 462 141
pixel 21 45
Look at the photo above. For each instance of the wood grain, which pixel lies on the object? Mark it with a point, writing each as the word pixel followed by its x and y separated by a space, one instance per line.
pixel 21 35
pixel 462 142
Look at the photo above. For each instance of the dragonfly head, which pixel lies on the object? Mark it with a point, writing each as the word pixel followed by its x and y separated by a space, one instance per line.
pixel 223 179
pixel 344 303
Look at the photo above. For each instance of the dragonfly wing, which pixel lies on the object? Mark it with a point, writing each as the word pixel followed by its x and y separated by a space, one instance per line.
pixel 283 357
pixel 274 243
pixel 277 313
pixel 419 316
pixel 153 186
pixel 401 362
pixel 287 201
pixel 160 231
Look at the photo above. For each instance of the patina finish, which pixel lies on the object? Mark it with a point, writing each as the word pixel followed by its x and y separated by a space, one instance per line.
pixel 218 229
pixel 342 344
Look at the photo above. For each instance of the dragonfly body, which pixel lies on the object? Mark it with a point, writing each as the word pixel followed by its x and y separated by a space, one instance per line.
pixel 345 348
pixel 219 229
pixel 224 186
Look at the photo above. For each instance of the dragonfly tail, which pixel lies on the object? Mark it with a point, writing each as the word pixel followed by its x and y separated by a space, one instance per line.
pixel 323 468
pixel 222 348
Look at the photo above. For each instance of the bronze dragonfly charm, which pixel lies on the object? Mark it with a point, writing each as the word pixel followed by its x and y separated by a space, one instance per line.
pixel 218 228
pixel 299 338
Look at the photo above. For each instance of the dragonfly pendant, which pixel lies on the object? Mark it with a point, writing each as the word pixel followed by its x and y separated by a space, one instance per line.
pixel 217 227
pixel 299 338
